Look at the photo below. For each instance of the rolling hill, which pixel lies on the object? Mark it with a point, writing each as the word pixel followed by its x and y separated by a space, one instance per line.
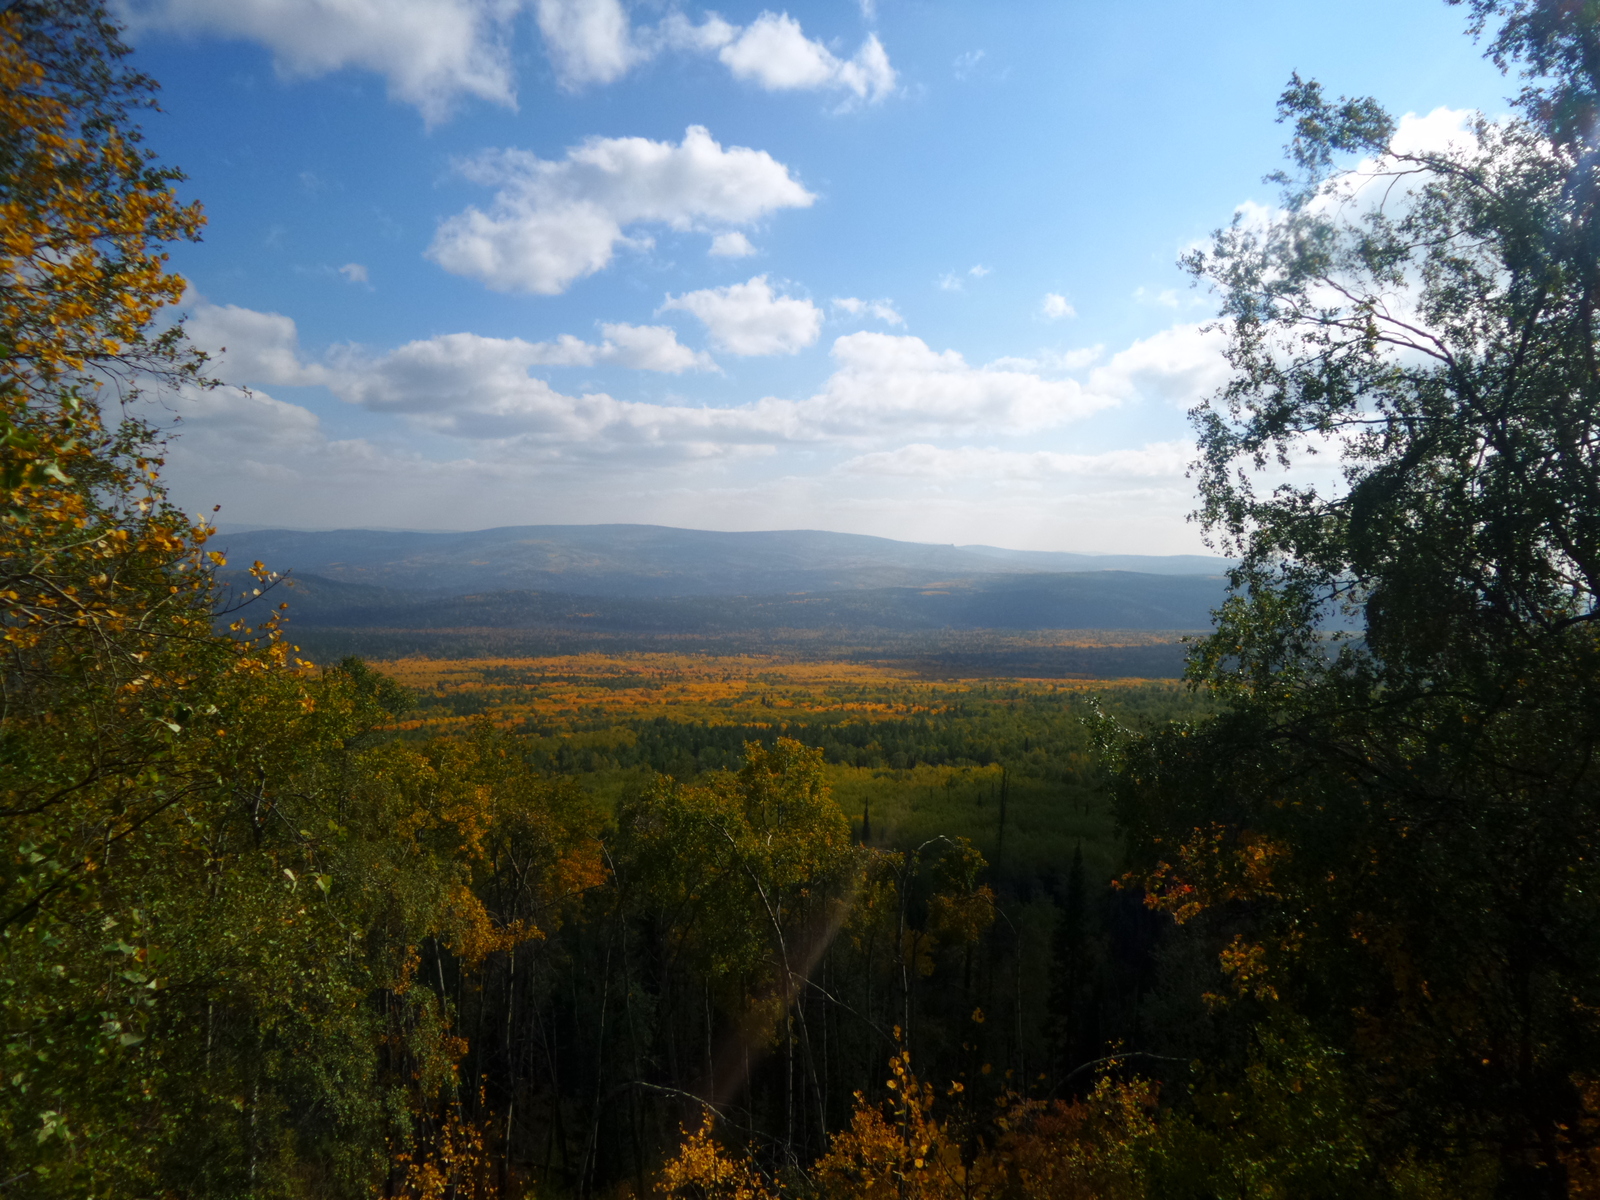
pixel 560 589
pixel 654 560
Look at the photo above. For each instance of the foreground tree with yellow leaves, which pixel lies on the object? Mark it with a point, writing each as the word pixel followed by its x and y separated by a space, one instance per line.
pixel 907 1149
pixel 218 890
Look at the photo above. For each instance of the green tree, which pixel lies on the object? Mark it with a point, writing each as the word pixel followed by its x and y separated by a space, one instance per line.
pixel 1392 832
pixel 217 885
pixel 745 878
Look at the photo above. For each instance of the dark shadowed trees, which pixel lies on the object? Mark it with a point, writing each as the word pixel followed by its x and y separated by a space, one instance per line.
pixel 1390 835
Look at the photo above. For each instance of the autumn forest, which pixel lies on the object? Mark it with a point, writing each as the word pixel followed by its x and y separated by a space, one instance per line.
pixel 777 918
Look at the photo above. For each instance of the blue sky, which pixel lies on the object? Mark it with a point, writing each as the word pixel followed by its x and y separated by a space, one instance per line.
pixel 899 268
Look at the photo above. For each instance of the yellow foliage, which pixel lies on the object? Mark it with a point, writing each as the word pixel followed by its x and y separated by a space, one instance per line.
pixel 962 919
pixel 702 1171
pixel 472 934
pixel 902 1149
pixel 453 1164
pixel 569 691
pixel 80 275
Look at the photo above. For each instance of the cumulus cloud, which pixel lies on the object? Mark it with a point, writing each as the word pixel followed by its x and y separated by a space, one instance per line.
pixel 554 221
pixel 751 319
pixel 640 347
pixel 1180 366
pixel 732 244
pixel 481 388
pixel 478 387
pixel 1051 361
pixel 882 310
pixel 1056 307
pixel 895 429
pixel 469 385
pixel 256 348
pixel 237 418
pixel 589 41
pixel 881 384
pixel 593 42
pixel 249 347
pixel 354 272
pixel 267 461
pixel 1155 460
pixel 1440 130
pixel 433 53
pixel 651 348
pixel 887 381
pixel 774 53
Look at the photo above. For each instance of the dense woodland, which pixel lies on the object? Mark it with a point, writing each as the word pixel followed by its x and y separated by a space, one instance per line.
pixel 935 654
pixel 1121 600
pixel 1326 925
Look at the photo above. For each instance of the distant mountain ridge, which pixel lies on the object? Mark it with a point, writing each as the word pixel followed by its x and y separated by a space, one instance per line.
pixel 1035 601
pixel 661 561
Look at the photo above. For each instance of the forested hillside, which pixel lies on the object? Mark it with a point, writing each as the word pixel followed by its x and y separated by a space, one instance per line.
pixel 653 560
pixel 1107 600
pixel 731 922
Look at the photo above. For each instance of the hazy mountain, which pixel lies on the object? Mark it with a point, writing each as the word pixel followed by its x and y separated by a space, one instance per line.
pixel 659 561
pixel 1090 600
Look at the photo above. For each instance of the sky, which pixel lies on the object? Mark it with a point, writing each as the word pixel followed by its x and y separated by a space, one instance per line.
pixel 894 267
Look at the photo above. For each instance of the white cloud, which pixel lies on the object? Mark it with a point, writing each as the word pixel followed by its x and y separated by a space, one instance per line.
pixel 884 381
pixel 895 439
pixel 270 462
pixel 234 417
pixel 950 282
pixel 732 244
pixel 248 347
pixel 480 388
pixel 882 310
pixel 651 348
pixel 978 271
pixel 1052 361
pixel 354 272
pixel 1371 182
pixel 677 32
pixel 538 454
pixel 1157 460
pixel 552 222
pixel 593 42
pixel 966 63
pixel 589 41
pixel 750 319
pixel 640 347
pixel 470 385
pixel 255 348
pixel 1056 307
pixel 1165 297
pixel 1443 129
pixel 774 53
pixel 1180 366
pixel 432 52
